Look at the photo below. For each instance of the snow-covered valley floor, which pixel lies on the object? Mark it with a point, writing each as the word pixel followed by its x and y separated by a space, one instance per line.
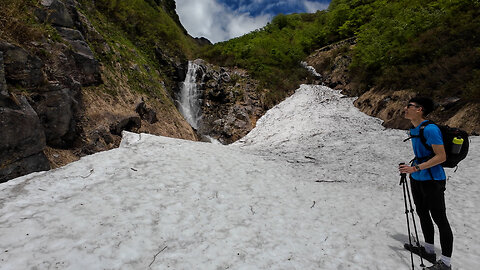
pixel 313 186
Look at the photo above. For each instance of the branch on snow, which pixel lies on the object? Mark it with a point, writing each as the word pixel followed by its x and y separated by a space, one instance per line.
pixel 330 181
pixel 155 257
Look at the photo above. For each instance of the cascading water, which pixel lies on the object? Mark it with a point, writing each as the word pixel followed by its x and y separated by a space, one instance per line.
pixel 189 98
pixel 311 69
pixel 189 101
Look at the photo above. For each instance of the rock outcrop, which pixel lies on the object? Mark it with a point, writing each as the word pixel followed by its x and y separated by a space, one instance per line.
pixel 21 67
pixel 146 113
pixel 332 63
pixel 41 91
pixel 231 103
pixel 23 139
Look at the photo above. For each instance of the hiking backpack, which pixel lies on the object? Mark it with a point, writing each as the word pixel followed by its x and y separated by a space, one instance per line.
pixel 448 134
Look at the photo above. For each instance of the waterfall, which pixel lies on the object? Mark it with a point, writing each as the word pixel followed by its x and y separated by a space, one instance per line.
pixel 189 98
pixel 189 101
pixel 311 70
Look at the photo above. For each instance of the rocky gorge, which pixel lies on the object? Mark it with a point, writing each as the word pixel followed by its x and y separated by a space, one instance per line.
pixel 72 92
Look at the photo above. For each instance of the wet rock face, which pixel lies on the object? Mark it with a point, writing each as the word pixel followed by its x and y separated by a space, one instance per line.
pixel 230 102
pixel 175 67
pixel 332 63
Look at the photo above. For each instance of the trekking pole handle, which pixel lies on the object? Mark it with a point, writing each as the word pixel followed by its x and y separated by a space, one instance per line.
pixel 403 175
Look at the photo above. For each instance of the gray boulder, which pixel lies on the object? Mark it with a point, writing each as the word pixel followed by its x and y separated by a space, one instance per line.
pixel 54 12
pixel 56 111
pixel 88 67
pixel 35 163
pixel 132 123
pixel 23 139
pixel 146 113
pixel 20 67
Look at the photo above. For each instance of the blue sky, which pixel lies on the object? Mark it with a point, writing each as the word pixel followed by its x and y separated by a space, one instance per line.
pixel 220 20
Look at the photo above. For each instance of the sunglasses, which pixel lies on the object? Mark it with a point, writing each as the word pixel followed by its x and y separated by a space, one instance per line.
pixel 413 105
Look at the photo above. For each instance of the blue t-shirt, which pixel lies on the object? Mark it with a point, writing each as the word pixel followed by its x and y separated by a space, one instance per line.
pixel 433 135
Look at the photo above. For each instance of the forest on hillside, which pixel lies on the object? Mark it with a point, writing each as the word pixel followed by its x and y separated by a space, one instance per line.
pixel 431 47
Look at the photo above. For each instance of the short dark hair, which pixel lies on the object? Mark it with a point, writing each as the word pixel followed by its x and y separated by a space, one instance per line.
pixel 426 103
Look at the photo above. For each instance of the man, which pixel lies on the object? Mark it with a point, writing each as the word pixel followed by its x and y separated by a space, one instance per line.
pixel 427 181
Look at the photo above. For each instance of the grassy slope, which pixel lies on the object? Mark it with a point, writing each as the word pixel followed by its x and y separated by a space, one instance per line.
pixel 132 29
pixel 135 29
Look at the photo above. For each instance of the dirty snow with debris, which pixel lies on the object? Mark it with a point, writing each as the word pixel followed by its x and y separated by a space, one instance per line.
pixel 313 186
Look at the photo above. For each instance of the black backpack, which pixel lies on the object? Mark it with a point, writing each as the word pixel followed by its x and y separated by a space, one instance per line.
pixel 448 134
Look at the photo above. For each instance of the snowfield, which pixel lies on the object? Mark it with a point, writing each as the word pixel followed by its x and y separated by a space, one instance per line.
pixel 313 186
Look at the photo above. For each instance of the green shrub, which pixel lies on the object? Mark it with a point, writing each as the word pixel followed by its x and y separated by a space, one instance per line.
pixel 426 46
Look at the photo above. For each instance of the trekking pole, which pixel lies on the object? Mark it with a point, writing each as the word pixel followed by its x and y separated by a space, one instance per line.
pixel 403 180
pixel 414 225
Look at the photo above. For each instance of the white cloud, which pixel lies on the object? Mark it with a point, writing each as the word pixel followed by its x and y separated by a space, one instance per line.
pixel 239 25
pixel 216 22
pixel 312 7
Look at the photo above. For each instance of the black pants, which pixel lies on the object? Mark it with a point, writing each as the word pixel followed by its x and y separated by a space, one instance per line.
pixel 429 200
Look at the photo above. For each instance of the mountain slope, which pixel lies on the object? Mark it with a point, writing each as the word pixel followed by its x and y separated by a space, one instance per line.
pixel 421 47
pixel 325 195
pixel 83 71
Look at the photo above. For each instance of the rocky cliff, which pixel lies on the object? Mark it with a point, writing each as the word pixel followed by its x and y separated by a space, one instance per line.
pixel 60 99
pixel 333 62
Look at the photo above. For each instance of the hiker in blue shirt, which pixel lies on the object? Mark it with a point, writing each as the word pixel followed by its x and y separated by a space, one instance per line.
pixel 427 181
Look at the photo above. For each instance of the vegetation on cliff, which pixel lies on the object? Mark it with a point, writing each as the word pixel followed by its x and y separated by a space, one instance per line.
pixel 432 47
pixel 146 36
pixel 145 22
pixel 16 23
pixel 428 46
